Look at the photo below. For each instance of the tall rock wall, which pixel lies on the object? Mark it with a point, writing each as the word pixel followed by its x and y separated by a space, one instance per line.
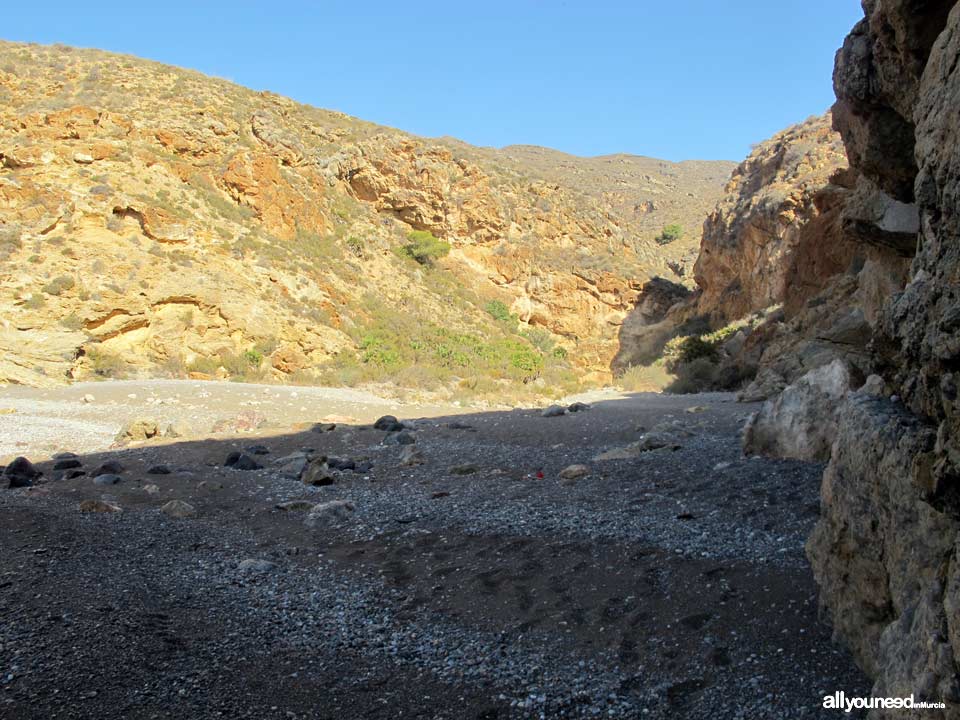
pixel 756 244
pixel 886 551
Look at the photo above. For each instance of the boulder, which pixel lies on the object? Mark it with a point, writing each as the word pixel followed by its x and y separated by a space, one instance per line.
pixel 335 512
pixel 318 474
pixel 388 423
pixel 800 422
pixel 20 473
pixel 138 430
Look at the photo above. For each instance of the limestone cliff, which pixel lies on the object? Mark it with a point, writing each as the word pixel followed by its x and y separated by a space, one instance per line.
pixel 157 221
pixel 764 241
pixel 887 549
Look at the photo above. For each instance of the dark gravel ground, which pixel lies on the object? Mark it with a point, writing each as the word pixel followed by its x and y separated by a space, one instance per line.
pixel 670 585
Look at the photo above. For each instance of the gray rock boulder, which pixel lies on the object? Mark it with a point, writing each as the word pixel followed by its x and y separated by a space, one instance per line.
pixel 800 422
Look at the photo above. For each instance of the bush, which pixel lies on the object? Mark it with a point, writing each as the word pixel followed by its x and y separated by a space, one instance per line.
pixel 699 375
pixel 71 322
pixel 105 364
pixel 682 350
pixel 355 245
pixel 670 233
pixel 34 302
pixel 497 310
pixel 254 357
pixel 58 285
pixel 424 247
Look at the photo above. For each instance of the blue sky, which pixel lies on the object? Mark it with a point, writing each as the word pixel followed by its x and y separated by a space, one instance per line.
pixel 688 79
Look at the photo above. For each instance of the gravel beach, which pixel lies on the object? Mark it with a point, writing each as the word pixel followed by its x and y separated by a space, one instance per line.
pixel 461 568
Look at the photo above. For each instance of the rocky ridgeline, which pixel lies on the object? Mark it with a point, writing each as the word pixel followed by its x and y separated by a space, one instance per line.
pixel 155 220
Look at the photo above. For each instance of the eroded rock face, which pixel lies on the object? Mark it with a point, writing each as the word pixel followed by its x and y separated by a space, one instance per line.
pixel 886 551
pixel 800 423
pixel 198 221
pixel 777 228
pixel 646 329
pixel 885 560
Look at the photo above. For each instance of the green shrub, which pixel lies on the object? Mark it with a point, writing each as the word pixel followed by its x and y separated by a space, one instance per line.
pixel 424 247
pixel 104 363
pixel 59 284
pixel 253 357
pixel 699 375
pixel 71 322
pixel 682 350
pixel 497 310
pixel 670 233
pixel 34 302
pixel 355 246
pixel 10 240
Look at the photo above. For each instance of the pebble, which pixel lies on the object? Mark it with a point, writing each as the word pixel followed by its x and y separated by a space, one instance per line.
pixel 553 411
pixel 106 479
pixel 111 467
pixel 159 470
pixel 179 509
pixel 574 472
pixel 98 506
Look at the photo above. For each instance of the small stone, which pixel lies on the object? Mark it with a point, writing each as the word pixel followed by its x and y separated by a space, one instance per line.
pixel 179 509
pixel 578 407
pixel 388 423
pixel 400 438
pixel 98 506
pixel 323 427
pixel 88 398
pixel 159 470
pixel 245 462
pixel 318 474
pixel 439 494
pixel 82 158
pixel 138 430
pixel 553 411
pixel 177 430
pixel 151 489
pixel 295 505
pixel 257 450
pixel 70 475
pixel 696 409
pixel 106 479
pixel 253 566
pixel 335 512
pixel 467 469
pixel 574 472
pixel 294 468
pixel 67 464
pixel 340 463
pixel 410 456
pixel 111 467
pixel 457 425
pixel 65 456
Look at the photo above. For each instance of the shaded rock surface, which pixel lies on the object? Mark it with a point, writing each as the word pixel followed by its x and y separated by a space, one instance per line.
pixel 801 422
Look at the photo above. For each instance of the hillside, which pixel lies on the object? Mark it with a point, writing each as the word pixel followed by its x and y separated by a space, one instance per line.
pixel 155 221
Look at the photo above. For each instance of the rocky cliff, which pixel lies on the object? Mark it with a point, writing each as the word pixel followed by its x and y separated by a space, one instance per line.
pixel 886 551
pixel 757 243
pixel 157 221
